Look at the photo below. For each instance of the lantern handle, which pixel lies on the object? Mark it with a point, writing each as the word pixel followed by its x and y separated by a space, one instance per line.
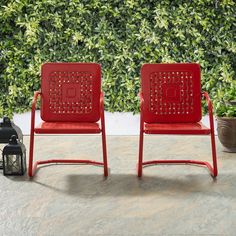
pixel 13 140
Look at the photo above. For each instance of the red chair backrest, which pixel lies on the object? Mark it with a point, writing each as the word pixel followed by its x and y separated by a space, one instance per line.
pixel 70 92
pixel 172 92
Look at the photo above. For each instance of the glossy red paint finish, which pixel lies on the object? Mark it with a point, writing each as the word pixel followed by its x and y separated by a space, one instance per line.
pixel 70 92
pixel 170 103
pixel 67 128
pixel 172 93
pixel 176 128
pixel 72 106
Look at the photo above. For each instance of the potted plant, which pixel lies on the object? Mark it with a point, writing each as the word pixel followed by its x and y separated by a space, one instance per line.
pixel 226 118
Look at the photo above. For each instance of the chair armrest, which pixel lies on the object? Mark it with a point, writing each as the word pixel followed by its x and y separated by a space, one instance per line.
pixel 140 94
pixel 36 94
pixel 210 109
pixel 209 104
pixel 208 100
pixel 102 100
pixel 102 111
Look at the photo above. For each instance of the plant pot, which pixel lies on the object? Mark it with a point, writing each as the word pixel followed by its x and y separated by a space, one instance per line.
pixel 226 128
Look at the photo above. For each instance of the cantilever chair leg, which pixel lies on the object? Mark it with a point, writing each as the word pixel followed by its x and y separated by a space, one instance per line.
pixel 31 150
pixel 31 153
pixel 212 168
pixel 33 166
pixel 104 149
pixel 104 146
pixel 140 161
pixel 214 171
pixel 213 148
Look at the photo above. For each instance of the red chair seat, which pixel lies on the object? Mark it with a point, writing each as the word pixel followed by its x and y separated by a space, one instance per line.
pixel 67 128
pixel 176 128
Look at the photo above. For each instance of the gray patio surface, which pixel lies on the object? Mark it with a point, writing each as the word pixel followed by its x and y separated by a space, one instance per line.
pixel 77 200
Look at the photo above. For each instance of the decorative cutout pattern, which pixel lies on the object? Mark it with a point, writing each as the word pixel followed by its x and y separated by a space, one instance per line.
pixel 70 92
pixel 171 93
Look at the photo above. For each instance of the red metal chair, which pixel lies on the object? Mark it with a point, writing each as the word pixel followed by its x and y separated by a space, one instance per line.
pixel 171 104
pixel 71 103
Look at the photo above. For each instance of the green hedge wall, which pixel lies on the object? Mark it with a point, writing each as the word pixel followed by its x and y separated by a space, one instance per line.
pixel 121 35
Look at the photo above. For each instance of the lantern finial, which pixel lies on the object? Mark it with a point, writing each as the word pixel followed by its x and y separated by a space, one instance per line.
pixel 6 121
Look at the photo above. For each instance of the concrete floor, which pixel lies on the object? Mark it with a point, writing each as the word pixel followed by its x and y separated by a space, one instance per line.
pixel 77 200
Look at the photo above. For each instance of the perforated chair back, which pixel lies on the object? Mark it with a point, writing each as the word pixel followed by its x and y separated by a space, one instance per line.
pixel 172 93
pixel 70 92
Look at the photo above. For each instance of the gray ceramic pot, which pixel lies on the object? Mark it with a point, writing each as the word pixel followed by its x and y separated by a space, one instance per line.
pixel 226 128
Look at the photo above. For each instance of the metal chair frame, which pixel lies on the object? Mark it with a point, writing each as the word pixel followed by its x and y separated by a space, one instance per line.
pixel 213 169
pixel 33 166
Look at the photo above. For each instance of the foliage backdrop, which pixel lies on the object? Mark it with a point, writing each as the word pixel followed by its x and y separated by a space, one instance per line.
pixel 121 35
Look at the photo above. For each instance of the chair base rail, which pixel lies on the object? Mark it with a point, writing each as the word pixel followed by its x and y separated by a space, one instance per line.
pixel 63 161
pixel 213 172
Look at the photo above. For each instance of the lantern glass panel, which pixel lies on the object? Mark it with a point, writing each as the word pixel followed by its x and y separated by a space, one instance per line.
pixel 24 162
pixel 12 164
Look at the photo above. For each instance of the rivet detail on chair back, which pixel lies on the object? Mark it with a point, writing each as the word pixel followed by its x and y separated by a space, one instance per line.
pixel 171 93
pixel 70 92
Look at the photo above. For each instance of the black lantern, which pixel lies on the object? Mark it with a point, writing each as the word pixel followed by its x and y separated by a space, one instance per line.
pixel 14 157
pixel 7 129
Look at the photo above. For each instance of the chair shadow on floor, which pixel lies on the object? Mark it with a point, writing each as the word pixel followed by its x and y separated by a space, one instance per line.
pixel 94 185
